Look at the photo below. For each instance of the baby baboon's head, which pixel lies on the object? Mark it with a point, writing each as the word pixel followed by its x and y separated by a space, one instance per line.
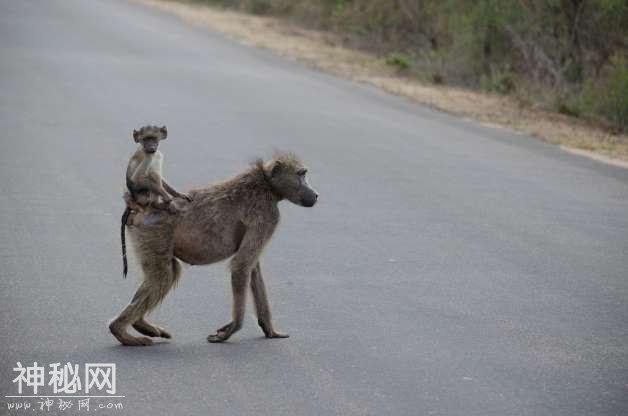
pixel 287 177
pixel 149 137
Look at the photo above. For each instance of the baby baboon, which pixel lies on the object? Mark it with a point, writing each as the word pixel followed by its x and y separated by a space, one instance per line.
pixel 236 219
pixel 144 180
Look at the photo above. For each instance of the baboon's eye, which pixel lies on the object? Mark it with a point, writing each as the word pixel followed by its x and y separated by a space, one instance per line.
pixel 301 172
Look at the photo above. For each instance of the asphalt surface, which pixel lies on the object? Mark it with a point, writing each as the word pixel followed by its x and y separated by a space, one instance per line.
pixel 448 269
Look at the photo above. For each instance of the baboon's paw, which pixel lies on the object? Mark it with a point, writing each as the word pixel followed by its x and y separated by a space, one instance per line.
pixel 224 333
pixel 276 334
pixel 217 337
pixel 147 330
pixel 138 342
pixel 269 332
pixel 151 330
pixel 164 334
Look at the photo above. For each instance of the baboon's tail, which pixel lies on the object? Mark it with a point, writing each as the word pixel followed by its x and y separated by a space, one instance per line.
pixel 125 217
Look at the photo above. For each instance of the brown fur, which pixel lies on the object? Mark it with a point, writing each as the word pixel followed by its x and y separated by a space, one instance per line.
pixel 236 219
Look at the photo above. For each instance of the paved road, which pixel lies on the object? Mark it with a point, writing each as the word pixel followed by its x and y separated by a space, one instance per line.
pixel 448 269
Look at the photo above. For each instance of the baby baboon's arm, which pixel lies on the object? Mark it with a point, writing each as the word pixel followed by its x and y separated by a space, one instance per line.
pixel 156 185
pixel 174 192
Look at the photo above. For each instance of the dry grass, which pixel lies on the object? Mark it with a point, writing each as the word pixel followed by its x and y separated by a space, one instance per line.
pixel 324 51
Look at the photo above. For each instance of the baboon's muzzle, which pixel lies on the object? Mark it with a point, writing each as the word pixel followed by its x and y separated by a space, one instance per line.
pixel 309 199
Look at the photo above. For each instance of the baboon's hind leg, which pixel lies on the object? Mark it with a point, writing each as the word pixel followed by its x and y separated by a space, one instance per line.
pixel 159 277
pixel 146 328
pixel 145 295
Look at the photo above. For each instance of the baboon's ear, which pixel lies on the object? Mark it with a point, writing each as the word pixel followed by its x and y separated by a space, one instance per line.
pixel 164 132
pixel 277 169
pixel 136 135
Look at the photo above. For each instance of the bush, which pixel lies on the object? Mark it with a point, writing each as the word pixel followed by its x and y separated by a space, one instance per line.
pixel 258 6
pixel 614 101
pixel 552 49
pixel 499 81
pixel 606 97
pixel 398 60
pixel 568 108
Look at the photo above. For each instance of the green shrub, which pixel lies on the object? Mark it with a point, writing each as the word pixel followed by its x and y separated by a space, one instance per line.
pixel 546 52
pixel 258 6
pixel 499 81
pixel 614 100
pixel 398 60
pixel 569 108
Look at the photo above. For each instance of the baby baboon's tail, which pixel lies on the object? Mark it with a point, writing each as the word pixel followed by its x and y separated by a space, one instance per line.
pixel 125 217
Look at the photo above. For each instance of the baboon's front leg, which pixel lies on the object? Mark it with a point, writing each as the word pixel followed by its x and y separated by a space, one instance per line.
pixel 242 265
pixel 262 307
pixel 239 283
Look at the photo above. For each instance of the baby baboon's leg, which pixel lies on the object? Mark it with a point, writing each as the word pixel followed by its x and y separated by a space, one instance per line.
pixel 163 205
pixel 262 307
pixel 158 188
pixel 148 217
pixel 146 328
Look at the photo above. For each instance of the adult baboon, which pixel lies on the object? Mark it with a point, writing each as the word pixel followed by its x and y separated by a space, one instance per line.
pixel 233 218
